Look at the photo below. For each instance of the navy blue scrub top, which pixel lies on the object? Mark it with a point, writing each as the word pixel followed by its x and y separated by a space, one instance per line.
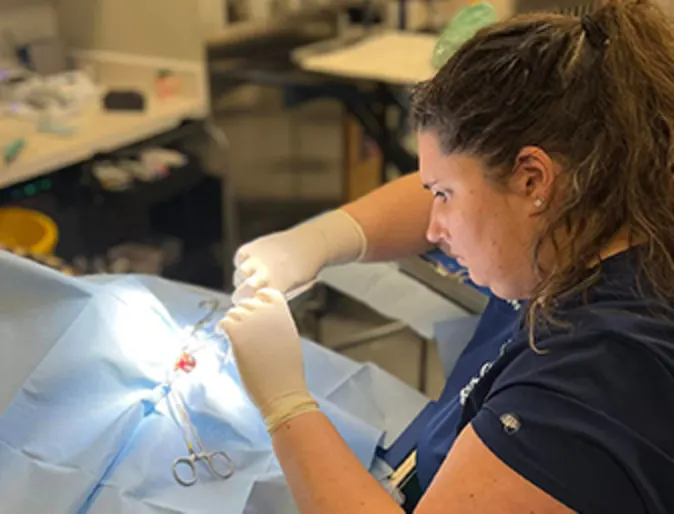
pixel 498 324
pixel 590 419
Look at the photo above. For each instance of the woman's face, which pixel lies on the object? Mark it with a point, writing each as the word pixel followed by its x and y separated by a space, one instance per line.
pixel 489 229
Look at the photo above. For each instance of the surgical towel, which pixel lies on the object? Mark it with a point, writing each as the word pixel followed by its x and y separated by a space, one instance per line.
pixel 85 426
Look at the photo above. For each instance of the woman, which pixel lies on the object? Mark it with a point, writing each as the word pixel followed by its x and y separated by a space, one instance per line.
pixel 546 143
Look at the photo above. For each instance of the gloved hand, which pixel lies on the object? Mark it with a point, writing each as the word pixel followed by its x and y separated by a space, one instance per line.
pixel 268 355
pixel 292 258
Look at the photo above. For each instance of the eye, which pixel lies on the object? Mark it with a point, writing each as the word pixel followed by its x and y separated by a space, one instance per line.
pixel 443 195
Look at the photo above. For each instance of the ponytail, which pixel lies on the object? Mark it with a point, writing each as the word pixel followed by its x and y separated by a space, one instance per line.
pixel 638 66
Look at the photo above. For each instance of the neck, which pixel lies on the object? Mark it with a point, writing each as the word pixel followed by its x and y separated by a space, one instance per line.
pixel 621 242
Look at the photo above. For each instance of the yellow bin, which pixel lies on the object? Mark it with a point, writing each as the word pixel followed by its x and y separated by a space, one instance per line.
pixel 25 229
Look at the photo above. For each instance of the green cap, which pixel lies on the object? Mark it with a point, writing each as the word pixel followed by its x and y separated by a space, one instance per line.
pixel 460 29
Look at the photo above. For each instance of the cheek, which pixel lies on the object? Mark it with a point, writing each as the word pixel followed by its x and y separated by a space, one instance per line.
pixel 505 235
pixel 489 225
pixel 473 220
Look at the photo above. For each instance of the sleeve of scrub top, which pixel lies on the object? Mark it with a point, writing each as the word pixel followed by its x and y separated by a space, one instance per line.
pixel 585 424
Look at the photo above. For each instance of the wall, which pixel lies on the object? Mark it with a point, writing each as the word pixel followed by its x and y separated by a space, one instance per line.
pixel 213 16
pixel 151 28
pixel 24 20
pixel 417 11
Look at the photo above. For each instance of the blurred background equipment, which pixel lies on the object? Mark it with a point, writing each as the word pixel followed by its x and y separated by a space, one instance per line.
pixel 156 137
pixel 27 229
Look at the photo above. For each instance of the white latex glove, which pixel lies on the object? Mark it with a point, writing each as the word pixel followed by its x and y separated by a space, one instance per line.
pixel 268 355
pixel 293 258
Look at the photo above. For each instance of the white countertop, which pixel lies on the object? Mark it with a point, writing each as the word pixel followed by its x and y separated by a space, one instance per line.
pixel 400 58
pixel 97 131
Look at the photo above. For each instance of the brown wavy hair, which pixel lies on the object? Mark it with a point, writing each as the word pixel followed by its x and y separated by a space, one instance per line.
pixel 596 94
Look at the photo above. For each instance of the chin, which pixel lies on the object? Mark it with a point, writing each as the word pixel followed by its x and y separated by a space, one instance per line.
pixel 477 279
pixel 500 290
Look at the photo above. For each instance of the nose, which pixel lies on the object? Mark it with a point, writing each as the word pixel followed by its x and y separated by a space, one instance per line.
pixel 435 232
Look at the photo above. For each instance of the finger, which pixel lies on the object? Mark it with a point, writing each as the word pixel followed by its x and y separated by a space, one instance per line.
pixel 227 327
pixel 223 326
pixel 241 255
pixel 249 304
pixel 259 279
pixel 239 277
pixel 253 272
pixel 235 314
pixel 269 295
pixel 249 287
pixel 241 293
pixel 249 266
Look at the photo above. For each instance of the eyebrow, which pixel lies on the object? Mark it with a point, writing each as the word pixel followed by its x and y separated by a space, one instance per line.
pixel 429 185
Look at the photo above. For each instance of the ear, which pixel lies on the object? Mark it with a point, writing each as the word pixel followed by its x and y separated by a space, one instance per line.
pixel 534 175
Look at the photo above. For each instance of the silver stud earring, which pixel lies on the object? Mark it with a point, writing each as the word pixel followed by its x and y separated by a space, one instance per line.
pixel 538 203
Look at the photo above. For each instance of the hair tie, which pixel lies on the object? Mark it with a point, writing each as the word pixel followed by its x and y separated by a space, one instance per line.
pixel 596 36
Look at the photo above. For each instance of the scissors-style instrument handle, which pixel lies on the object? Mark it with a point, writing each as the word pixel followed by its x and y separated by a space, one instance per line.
pixel 220 464
pixel 190 463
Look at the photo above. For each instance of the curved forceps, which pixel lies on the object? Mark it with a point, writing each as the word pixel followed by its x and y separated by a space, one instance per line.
pixel 215 308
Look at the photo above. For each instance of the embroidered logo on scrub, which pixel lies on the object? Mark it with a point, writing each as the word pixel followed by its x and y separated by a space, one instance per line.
pixel 465 392
pixel 510 422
